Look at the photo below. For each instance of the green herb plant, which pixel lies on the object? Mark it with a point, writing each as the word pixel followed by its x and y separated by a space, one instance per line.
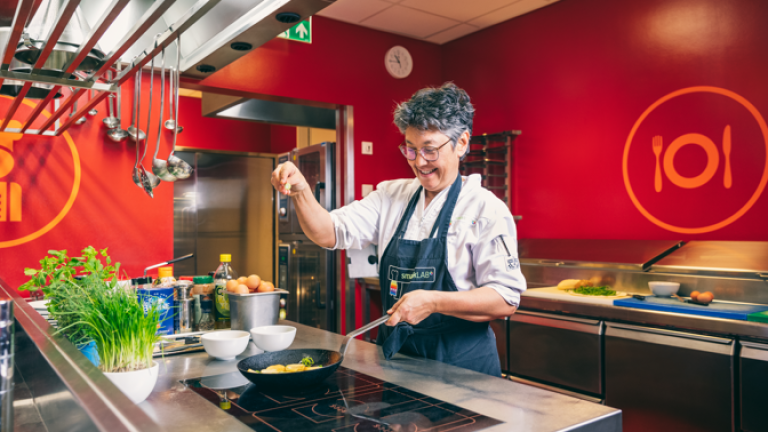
pixel 596 291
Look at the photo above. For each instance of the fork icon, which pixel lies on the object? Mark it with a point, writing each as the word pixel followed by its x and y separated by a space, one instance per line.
pixel 657 146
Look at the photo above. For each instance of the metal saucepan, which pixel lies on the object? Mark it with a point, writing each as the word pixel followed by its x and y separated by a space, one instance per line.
pixel 330 360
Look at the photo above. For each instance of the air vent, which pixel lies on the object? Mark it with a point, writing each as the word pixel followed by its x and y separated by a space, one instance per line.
pixel 204 68
pixel 288 17
pixel 241 46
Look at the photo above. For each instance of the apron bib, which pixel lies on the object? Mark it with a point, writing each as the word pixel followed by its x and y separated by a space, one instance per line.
pixel 409 265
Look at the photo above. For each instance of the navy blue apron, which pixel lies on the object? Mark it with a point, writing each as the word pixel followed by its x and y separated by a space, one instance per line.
pixel 409 265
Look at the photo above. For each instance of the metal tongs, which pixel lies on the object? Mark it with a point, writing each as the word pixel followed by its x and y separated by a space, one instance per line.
pixel 362 330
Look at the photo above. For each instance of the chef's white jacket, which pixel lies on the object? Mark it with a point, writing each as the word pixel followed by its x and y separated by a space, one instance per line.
pixel 482 240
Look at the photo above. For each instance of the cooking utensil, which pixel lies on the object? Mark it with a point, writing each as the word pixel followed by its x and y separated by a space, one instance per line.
pixel 330 360
pixel 118 134
pixel 170 124
pixel 657 143
pixel 154 266
pixel 93 110
pixel 152 180
pixel 159 166
pixel 727 179
pixel 81 120
pixel 252 310
pixel 110 121
pixel 176 166
pixel 134 132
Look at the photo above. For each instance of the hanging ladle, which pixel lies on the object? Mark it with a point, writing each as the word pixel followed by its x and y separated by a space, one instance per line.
pixel 133 131
pixel 171 122
pixel 110 121
pixel 149 180
pixel 118 134
pixel 176 166
pixel 159 166
pixel 81 120
pixel 93 110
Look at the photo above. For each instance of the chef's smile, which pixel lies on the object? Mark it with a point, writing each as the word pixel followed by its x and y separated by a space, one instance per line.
pixel 433 153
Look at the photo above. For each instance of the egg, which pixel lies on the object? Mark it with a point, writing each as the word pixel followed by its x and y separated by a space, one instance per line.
pixel 241 280
pixel 232 285
pixel 705 297
pixel 266 287
pixel 241 289
pixel 253 282
pixel 694 295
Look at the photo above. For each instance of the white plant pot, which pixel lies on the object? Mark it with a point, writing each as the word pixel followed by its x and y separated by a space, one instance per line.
pixel 137 385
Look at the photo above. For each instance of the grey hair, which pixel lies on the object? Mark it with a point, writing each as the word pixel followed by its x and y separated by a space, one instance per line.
pixel 446 109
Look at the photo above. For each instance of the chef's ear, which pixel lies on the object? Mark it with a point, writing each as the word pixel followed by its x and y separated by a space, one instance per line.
pixel 462 145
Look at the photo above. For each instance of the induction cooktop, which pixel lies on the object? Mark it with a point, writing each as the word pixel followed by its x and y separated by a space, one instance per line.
pixel 347 401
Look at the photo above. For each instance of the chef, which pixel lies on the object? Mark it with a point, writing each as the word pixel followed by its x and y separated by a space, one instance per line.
pixel 447 246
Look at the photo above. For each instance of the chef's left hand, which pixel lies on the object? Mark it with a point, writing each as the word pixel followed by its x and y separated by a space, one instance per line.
pixel 413 307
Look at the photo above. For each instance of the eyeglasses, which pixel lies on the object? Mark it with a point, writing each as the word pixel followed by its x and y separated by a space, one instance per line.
pixel 428 153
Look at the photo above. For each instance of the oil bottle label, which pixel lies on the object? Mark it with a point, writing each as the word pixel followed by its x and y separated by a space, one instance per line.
pixel 222 303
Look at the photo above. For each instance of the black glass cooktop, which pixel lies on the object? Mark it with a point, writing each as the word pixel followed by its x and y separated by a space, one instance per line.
pixel 347 401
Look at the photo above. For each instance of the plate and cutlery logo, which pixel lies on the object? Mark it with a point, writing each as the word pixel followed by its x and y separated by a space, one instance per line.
pixel 696 160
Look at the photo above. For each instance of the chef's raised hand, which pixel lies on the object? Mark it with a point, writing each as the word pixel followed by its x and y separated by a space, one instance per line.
pixel 287 179
pixel 413 307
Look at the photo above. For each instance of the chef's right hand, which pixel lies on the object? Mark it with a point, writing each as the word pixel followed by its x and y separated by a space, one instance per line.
pixel 287 179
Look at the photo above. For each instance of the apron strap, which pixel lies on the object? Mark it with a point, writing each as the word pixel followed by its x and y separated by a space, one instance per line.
pixel 444 219
pixel 403 225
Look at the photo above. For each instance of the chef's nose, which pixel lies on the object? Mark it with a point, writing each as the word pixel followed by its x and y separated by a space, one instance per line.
pixel 420 161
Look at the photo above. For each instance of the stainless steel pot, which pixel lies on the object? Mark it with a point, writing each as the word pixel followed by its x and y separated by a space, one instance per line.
pixel 254 310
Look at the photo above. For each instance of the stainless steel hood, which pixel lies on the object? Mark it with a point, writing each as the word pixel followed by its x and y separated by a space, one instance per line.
pixel 207 44
pixel 266 111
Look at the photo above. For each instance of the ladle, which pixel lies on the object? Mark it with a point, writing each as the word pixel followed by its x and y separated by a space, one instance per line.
pixel 176 166
pixel 118 134
pixel 149 179
pixel 133 130
pixel 171 122
pixel 159 166
pixel 81 120
pixel 93 110
pixel 110 121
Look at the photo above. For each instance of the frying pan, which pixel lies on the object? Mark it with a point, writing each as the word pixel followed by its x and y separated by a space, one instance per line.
pixel 330 360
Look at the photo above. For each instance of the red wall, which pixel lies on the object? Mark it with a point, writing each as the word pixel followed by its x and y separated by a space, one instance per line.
pixel 576 76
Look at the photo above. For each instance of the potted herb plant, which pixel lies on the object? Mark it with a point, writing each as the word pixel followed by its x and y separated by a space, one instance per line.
pixel 90 308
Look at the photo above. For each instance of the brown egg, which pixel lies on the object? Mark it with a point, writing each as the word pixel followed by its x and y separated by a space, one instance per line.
pixel 253 282
pixel 705 297
pixel 266 287
pixel 694 295
pixel 232 285
pixel 241 289
pixel 241 280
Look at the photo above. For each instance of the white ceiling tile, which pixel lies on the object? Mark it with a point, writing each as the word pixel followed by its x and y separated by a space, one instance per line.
pixel 410 22
pixel 460 10
pixel 460 30
pixel 508 12
pixel 354 11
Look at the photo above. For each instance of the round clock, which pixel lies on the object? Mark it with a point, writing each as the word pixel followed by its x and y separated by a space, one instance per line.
pixel 398 62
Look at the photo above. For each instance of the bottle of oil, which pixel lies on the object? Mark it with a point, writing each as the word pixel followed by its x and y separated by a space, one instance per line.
pixel 223 273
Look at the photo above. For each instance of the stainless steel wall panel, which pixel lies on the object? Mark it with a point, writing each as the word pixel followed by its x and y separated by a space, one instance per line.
pixel 753 382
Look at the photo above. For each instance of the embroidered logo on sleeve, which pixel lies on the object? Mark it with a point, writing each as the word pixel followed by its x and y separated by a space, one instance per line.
pixel 512 263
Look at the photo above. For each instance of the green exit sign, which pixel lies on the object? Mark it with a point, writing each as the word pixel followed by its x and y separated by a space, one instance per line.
pixel 301 32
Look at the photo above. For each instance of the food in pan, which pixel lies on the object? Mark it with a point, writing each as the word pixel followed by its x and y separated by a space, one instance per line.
pixel 573 284
pixel 595 291
pixel 307 363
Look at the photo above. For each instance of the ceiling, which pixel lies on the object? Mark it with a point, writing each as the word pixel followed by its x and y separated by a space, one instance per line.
pixel 436 21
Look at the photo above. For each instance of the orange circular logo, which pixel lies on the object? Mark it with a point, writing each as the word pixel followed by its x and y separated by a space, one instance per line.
pixel 34 182
pixel 696 160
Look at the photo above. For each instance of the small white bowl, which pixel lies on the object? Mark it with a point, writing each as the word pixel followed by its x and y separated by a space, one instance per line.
pixel 664 289
pixel 274 337
pixel 225 345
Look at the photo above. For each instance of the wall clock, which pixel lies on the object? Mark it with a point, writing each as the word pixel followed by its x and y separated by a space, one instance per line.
pixel 398 62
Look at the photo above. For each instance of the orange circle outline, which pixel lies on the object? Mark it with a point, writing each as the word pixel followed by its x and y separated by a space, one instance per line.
pixel 709 171
pixel 739 213
pixel 72 196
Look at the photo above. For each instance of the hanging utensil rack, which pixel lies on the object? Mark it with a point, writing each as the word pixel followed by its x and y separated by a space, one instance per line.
pixel 95 80
pixel 490 155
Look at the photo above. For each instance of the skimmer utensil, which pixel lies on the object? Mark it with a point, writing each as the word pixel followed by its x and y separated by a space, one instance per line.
pixel 176 166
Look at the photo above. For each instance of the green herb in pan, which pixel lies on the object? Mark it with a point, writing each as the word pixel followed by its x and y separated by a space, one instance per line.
pixel 595 291
pixel 307 361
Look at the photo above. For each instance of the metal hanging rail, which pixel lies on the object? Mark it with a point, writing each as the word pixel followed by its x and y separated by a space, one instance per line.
pixel 24 12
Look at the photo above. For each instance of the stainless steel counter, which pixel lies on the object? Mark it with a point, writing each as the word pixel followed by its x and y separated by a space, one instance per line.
pixel 521 407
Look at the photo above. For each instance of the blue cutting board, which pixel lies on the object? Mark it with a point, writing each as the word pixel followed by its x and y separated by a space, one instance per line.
pixel 715 309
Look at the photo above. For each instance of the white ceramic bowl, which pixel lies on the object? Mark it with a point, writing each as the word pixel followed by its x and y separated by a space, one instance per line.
pixel 226 344
pixel 273 338
pixel 663 289
pixel 137 385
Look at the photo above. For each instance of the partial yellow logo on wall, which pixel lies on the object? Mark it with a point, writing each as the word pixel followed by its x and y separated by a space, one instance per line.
pixel 26 192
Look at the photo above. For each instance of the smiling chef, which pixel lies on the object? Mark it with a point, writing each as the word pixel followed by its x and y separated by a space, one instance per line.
pixel 449 263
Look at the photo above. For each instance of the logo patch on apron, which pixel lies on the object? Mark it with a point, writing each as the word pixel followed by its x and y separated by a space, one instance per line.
pixel 399 276
pixel 393 288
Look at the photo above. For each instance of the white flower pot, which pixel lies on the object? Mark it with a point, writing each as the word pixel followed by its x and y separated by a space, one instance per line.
pixel 137 385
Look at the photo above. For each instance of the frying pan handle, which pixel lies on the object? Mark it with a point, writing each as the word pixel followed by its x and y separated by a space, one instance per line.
pixel 360 331
pixel 180 259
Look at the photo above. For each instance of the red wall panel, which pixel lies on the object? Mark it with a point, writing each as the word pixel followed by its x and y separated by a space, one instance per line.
pixel 220 134
pixel 578 75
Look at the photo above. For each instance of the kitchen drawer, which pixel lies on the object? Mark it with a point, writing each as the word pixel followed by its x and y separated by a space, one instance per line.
pixel 665 380
pixel 557 350
pixel 753 386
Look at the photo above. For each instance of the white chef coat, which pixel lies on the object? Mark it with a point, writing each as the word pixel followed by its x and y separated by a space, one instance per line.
pixel 482 240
